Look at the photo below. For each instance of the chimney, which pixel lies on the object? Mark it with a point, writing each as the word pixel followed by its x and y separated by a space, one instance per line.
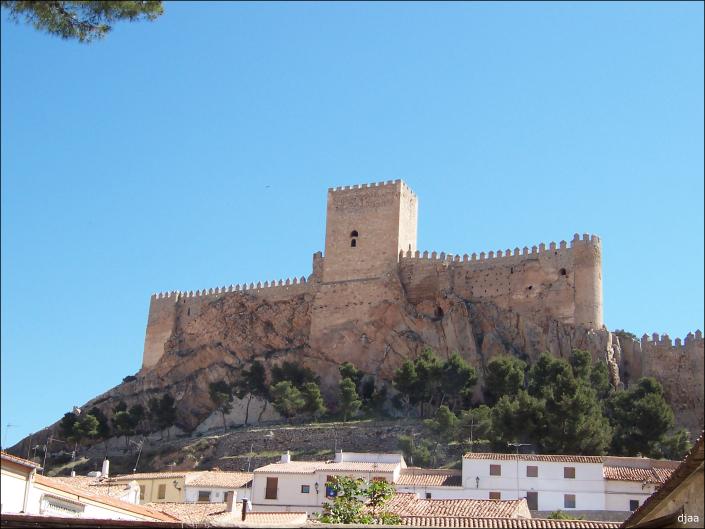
pixel 230 501
pixel 106 468
pixel 286 458
pixel 73 473
pixel 244 508
pixel 339 456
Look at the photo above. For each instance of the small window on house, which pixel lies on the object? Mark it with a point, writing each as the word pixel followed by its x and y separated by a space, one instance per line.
pixel 563 272
pixel 141 492
pixel 354 233
pixel 330 492
pixel 532 498
pixel 161 491
pixel 270 492
pixel 495 470
pixel 204 495
pixel 569 472
pixel 532 471
pixel 305 489
pixel 495 495
pixel 569 501
pixel 353 243
pixel 428 495
pixel 633 505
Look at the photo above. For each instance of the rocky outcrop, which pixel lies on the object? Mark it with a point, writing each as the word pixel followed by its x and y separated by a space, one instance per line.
pixel 238 328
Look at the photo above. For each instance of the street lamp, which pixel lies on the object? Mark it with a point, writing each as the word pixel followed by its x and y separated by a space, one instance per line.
pixel 517 445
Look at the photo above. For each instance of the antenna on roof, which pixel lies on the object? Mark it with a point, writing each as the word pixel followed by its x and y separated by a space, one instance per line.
pixel 139 453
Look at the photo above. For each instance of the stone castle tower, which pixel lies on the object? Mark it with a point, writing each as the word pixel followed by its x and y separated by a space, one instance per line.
pixel 371 258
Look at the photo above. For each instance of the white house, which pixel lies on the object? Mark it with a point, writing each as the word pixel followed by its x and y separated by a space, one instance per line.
pixel 564 482
pixel 301 485
pixel 211 486
pixel 24 491
pixel 427 483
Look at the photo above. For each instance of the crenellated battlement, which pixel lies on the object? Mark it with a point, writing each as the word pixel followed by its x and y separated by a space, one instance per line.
pixel 357 187
pixel 505 255
pixel 245 287
pixel 664 340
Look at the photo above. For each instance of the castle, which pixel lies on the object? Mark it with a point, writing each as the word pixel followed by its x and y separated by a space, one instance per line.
pixel 371 257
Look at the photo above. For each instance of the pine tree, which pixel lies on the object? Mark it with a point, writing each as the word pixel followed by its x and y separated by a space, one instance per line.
pixel 222 396
pixel 503 376
pixel 313 400
pixel 287 399
pixel 349 401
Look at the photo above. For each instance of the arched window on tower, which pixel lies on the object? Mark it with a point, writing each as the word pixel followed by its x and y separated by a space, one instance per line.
pixel 353 238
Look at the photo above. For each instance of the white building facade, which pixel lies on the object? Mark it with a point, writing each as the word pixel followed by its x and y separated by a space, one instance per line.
pixel 301 485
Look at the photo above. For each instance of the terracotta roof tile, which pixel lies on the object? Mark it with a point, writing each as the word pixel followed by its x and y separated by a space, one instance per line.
pixel 535 457
pixel 93 485
pixel 692 461
pixel 19 460
pixel 193 513
pixel 256 518
pixel 309 467
pixel 106 500
pixel 150 475
pixel 502 523
pixel 405 504
pixel 645 475
pixel 218 478
pixel 427 477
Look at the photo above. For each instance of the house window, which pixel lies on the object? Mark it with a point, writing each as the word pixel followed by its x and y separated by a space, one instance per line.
pixel 428 495
pixel 569 472
pixel 532 471
pixel 569 501
pixel 141 492
pixel 495 495
pixel 204 495
pixel 330 493
pixel 495 470
pixel 270 492
pixel 633 505
pixel 161 491
pixel 532 498
pixel 305 489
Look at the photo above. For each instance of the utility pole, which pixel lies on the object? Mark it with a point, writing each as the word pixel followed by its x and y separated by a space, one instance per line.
pixel 517 445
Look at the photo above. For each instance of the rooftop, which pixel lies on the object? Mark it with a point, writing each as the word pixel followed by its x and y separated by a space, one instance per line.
pixel 310 467
pixel 429 477
pixel 199 478
pixel 502 523
pixel 405 504
pixel 534 457
pixel 19 460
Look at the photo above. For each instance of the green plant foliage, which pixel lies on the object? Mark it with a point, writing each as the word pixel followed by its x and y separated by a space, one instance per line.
pixel 641 417
pixel 295 373
pixel 163 411
pixel 503 376
pixel 287 399
pixel 251 382
pixel 418 454
pixel 674 446
pixel 313 400
pixel 358 502
pixel 581 363
pixel 475 425
pixel 457 380
pixel 349 400
pixel 83 21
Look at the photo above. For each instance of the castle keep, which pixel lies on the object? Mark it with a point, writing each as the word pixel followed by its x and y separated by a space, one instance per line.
pixel 371 258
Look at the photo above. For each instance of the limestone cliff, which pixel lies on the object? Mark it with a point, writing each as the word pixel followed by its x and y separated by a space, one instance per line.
pixel 238 328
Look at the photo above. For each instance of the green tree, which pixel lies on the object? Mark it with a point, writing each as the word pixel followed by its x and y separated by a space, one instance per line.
pixel 581 363
pixel 123 424
pixel 287 399
pixel 163 412
pixel 457 380
pixel 349 401
pixel 600 380
pixel 66 424
pixel 640 417
pixel 295 373
pixel 428 372
pixel 81 20
pixel 103 424
pixel 313 400
pixel 406 382
pixel 348 370
pixel 503 376
pixel 378 493
pixel 443 427
pixel 674 446
pixel 475 426
pixel 222 396
pixel 137 415
pixel 85 427
pixel 252 382
pixel 347 506
pixel 358 502
pixel 416 454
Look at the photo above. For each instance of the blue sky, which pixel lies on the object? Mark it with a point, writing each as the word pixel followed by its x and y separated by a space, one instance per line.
pixel 195 152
